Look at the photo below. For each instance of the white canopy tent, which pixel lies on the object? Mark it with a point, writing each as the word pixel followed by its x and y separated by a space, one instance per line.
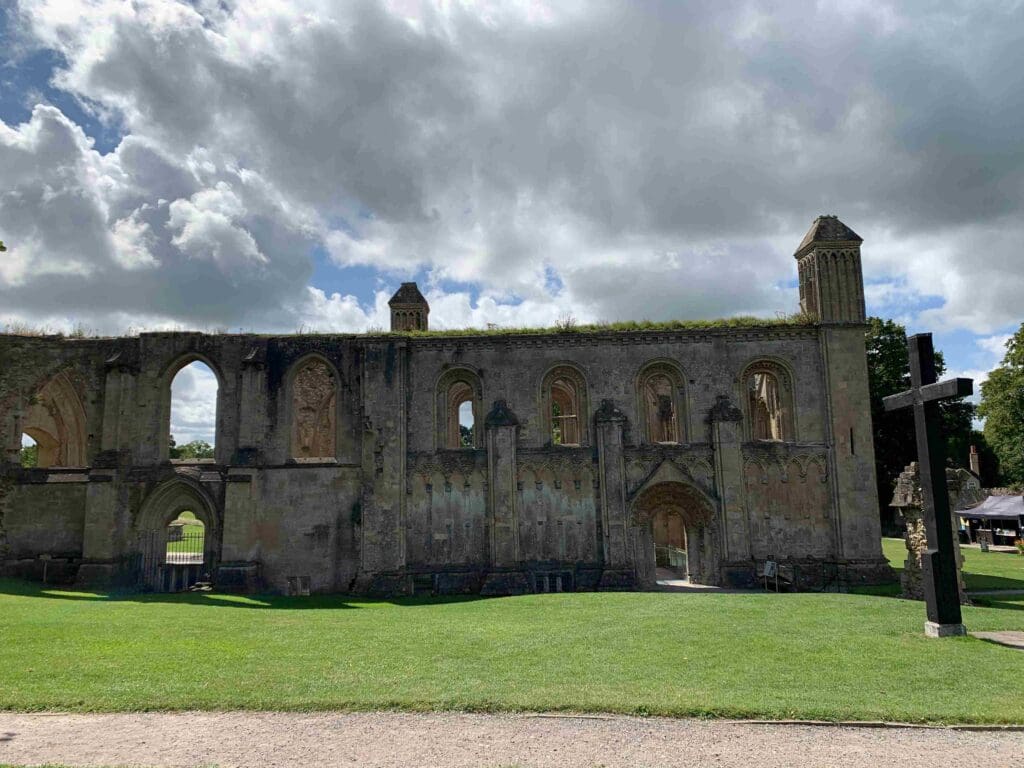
pixel 997 508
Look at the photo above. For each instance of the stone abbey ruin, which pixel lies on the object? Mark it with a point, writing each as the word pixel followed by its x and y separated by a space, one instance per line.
pixel 493 462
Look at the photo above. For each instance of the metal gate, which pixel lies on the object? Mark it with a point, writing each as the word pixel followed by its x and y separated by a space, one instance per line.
pixel 165 563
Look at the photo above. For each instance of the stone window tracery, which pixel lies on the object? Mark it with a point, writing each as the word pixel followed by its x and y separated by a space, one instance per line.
pixel 314 411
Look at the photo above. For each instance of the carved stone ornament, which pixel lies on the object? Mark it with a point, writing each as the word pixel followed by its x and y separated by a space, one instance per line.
pixel 608 412
pixel 724 410
pixel 313 417
pixel 501 416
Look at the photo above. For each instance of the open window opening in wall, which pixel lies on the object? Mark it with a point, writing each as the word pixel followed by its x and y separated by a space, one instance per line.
pixel 29 452
pixel 53 426
pixel 466 424
pixel 459 402
pixel 186 540
pixel 565 412
pixel 192 429
pixel 661 401
pixel 461 420
pixel 768 402
pixel 765 407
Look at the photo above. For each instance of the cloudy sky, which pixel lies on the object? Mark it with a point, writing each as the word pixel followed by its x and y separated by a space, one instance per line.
pixel 281 165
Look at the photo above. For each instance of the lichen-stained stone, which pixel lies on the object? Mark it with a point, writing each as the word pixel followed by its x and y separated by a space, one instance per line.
pixel 341 460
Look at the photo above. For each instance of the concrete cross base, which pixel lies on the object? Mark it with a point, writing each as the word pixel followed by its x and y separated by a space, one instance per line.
pixel 931 629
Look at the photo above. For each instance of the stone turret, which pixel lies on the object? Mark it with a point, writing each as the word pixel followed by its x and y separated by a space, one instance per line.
pixel 831 279
pixel 409 310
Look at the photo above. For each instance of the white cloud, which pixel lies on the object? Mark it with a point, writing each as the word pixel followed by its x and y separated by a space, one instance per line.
pixel 194 404
pixel 605 161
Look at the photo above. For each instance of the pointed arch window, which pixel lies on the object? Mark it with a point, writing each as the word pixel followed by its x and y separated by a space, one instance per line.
pixel 661 395
pixel 459 404
pixel 55 423
pixel 768 399
pixel 564 406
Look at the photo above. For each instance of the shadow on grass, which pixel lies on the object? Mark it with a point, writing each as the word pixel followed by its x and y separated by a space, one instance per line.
pixel 18 588
pixel 981 581
pixel 1010 602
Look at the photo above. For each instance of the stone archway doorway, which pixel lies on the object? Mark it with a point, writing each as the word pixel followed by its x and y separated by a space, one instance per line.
pixel 672 524
pixel 168 563
pixel 669 532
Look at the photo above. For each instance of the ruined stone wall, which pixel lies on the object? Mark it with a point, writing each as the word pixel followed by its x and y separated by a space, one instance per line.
pixel 392 507
pixel 45 516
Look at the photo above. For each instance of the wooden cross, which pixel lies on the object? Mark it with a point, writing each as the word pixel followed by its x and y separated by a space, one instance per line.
pixel 938 564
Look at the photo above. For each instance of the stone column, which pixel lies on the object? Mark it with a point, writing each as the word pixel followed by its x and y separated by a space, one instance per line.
pixel 612 472
pixel 726 440
pixel 625 556
pixel 502 429
pixel 103 539
pixel 251 408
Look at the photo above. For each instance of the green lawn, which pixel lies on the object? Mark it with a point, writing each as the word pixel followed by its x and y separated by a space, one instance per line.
pixel 825 656
pixel 982 570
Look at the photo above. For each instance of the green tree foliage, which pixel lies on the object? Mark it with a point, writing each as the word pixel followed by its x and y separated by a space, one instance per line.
pixel 465 436
pixel 30 455
pixel 2 248
pixel 197 449
pixel 1002 407
pixel 894 436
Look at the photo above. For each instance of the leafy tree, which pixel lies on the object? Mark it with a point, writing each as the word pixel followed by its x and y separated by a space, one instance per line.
pixel 2 249
pixel 1002 407
pixel 30 455
pixel 197 449
pixel 894 435
pixel 465 436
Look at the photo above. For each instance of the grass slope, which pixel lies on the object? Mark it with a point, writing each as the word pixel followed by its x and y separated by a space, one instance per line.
pixel 824 656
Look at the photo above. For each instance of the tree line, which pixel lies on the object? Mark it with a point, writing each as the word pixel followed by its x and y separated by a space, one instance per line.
pixel 1000 444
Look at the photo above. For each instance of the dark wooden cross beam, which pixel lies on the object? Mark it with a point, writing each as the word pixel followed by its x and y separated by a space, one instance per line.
pixel 938 565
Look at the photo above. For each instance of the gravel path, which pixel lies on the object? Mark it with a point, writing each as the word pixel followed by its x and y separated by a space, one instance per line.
pixel 417 741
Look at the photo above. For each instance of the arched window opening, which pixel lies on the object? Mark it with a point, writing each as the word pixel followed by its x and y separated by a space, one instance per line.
pixel 54 422
pixel 29 452
pixel 460 416
pixel 459 402
pixel 565 413
pixel 563 407
pixel 314 411
pixel 186 540
pixel 768 402
pixel 661 403
pixel 765 407
pixel 193 421
pixel 662 422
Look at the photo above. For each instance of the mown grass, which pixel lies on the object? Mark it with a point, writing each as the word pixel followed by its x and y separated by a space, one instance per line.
pixel 826 656
pixel 982 570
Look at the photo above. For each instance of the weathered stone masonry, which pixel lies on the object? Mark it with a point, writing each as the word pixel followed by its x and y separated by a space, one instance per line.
pixel 340 458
